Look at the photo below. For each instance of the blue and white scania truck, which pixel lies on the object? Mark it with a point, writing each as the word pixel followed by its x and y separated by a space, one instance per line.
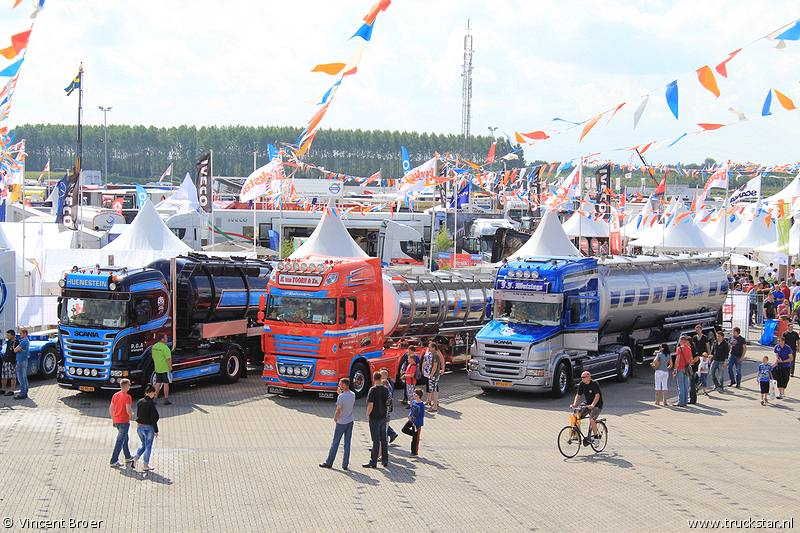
pixel 555 317
pixel 109 318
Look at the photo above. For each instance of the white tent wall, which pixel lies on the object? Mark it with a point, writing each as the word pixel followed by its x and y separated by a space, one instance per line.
pixel 8 290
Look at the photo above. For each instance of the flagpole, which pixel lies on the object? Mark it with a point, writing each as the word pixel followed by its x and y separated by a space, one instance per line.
pixel 255 200
pixel 211 186
pixel 724 213
pixel 79 222
pixel 23 203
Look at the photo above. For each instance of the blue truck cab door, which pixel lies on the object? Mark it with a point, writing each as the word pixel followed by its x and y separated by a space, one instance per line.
pixel 581 323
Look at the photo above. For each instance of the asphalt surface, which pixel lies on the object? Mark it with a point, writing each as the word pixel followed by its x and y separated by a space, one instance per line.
pixel 234 458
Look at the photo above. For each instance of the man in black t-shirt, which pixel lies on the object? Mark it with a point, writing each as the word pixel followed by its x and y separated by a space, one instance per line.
pixel 791 337
pixel 738 351
pixel 594 402
pixel 377 398
pixel 770 307
pixel 719 352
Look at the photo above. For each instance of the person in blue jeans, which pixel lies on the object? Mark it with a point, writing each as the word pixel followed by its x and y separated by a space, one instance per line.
pixel 147 422
pixel 121 415
pixel 720 352
pixel 738 351
pixel 344 424
pixel 22 364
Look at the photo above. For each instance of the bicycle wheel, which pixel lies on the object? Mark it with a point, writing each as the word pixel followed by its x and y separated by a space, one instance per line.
pixel 569 442
pixel 600 445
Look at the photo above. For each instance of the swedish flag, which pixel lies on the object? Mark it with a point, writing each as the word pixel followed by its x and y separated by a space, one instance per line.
pixel 74 84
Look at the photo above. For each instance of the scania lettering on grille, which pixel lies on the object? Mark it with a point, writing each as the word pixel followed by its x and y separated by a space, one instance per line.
pixel 500 341
pixel 87 334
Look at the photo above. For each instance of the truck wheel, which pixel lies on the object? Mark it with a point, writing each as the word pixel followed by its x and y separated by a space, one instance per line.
pixel 624 366
pixel 231 365
pixel 149 376
pixel 47 363
pixel 561 380
pixel 359 380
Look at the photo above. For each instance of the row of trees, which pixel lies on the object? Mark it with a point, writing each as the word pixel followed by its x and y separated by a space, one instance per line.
pixel 138 153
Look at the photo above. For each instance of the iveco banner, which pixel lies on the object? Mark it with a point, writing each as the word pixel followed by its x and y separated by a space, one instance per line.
pixel 204 195
pixel 72 196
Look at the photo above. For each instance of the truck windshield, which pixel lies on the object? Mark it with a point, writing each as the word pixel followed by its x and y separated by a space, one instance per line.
pixel 90 312
pixel 536 313
pixel 298 309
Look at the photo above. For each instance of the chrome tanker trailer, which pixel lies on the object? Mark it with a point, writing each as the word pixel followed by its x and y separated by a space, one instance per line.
pixel 327 318
pixel 557 317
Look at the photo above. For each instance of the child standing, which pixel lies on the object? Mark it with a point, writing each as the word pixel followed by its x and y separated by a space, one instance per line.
pixel 705 366
pixel 764 377
pixel 410 374
pixel 415 420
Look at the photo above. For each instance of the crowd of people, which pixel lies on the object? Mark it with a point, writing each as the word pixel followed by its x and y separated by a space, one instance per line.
pixel 701 356
pixel 419 370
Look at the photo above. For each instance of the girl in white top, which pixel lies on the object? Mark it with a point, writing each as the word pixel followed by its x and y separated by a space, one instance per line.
pixel 664 364
pixel 704 367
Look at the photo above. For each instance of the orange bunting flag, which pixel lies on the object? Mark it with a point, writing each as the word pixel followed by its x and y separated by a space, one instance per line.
pixel 536 135
pixel 16 3
pixel 520 139
pixel 329 68
pixel 707 80
pixel 707 127
pixel 784 101
pixel 722 68
pixel 18 42
pixel 373 11
pixel 589 125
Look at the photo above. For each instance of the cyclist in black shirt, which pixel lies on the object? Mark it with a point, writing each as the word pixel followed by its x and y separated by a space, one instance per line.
pixel 594 402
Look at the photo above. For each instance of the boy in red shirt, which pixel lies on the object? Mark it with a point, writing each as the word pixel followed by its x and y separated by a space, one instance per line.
pixel 121 414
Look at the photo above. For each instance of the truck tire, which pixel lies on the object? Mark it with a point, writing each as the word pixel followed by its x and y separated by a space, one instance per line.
pixel 231 365
pixel 47 362
pixel 149 376
pixel 359 380
pixel 562 381
pixel 624 365
pixel 401 370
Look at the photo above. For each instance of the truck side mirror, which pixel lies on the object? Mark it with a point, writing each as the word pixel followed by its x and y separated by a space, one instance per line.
pixel 262 304
pixel 260 316
pixel 349 311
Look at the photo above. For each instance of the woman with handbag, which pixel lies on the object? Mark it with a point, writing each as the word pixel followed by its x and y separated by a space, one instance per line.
pixel 662 363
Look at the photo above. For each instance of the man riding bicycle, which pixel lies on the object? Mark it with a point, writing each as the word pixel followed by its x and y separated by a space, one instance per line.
pixel 594 404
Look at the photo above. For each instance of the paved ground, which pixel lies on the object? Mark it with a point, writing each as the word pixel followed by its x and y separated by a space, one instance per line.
pixel 232 458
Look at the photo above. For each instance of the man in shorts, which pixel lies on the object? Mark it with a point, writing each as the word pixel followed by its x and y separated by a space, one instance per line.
pixel 162 363
pixel 594 403
pixel 9 362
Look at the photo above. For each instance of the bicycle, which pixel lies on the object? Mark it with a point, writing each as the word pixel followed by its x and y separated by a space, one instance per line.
pixel 570 438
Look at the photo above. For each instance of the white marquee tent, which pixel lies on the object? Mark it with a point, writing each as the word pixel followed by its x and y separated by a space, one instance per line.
pixel 330 238
pixel 549 240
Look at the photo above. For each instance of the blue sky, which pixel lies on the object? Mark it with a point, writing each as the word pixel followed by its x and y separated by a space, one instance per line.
pixel 201 62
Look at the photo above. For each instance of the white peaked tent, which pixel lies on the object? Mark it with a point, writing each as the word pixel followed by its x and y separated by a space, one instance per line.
pixel 579 225
pixel 549 240
pixel 719 227
pixel 330 238
pixel 184 199
pixel 647 211
pixel 791 191
pixel 147 232
pixel 794 242
pixel 753 232
pixel 678 236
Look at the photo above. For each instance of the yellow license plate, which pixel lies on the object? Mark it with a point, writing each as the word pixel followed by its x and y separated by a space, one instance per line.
pixel 501 383
pixel 86 389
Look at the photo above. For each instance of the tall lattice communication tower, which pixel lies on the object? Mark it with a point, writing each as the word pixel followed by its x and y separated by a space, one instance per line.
pixel 466 94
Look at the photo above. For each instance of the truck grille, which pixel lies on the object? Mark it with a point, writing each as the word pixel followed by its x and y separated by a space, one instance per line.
pixel 291 345
pixel 503 361
pixel 87 355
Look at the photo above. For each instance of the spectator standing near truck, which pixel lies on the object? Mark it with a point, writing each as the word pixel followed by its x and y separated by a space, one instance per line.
pixel 10 362
pixel 22 364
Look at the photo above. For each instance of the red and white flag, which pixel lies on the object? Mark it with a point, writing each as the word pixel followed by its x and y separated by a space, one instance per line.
pixel 45 169
pixel 166 173
pixel 259 181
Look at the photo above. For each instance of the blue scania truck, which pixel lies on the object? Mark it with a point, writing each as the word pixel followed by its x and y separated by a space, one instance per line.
pixel 109 318
pixel 556 317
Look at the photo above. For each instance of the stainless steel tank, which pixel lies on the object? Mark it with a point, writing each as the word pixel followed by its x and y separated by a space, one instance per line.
pixel 426 304
pixel 641 292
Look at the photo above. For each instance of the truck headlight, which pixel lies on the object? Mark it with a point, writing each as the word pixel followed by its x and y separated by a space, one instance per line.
pixel 304 372
pixel 269 367
pixel 327 372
